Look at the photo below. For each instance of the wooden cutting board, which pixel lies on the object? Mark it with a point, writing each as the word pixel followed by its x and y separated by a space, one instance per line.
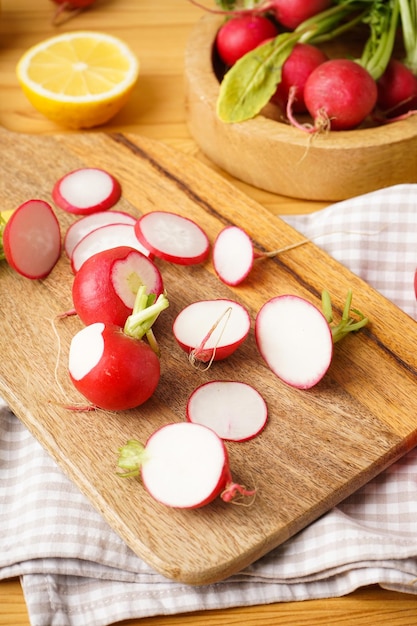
pixel 319 445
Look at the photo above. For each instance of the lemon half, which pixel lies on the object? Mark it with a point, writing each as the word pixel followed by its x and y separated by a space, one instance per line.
pixel 78 79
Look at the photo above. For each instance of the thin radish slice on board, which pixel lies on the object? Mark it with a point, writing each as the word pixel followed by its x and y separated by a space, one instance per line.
pixel 211 330
pixel 85 225
pixel 32 239
pixel 295 340
pixel 105 238
pixel 172 237
pixel 86 190
pixel 234 410
pixel 182 465
pixel 232 255
pixel 105 287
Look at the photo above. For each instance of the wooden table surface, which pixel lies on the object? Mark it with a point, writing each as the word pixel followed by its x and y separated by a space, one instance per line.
pixel 157 32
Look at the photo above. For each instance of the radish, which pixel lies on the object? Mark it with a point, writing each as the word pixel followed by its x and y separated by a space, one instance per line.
pixel 397 90
pixel 303 59
pixel 86 190
pixel 87 224
pixel 232 255
pixel 291 13
pixel 104 238
pixel 296 339
pixel 182 465
pixel 339 94
pixel 172 237
pixel 114 368
pixel 241 34
pixel 32 239
pixel 72 6
pixel 105 287
pixel 211 330
pixel 234 410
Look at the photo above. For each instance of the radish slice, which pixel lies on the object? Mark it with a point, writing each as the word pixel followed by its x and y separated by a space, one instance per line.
pixel 32 239
pixel 87 224
pixel 105 238
pixel 295 340
pixel 172 237
pixel 234 410
pixel 211 329
pixel 86 190
pixel 232 255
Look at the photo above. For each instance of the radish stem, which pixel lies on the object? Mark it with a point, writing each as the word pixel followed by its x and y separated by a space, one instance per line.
pixel 131 457
pixel 347 324
pixel 145 312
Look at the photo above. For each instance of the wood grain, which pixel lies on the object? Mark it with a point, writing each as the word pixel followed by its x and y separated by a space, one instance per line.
pixel 319 446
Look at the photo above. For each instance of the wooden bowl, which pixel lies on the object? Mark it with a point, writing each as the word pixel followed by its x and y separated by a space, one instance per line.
pixel 279 158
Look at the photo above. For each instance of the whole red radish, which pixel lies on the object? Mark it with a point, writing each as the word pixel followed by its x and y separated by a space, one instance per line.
pixel 32 239
pixel 241 34
pixel 339 94
pixel 397 90
pixel 105 287
pixel 112 370
pixel 291 13
pixel 182 465
pixel 303 59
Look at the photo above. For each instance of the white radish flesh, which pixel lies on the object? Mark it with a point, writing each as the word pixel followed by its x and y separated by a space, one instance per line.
pixel 105 238
pixel 172 237
pixel 32 239
pixel 295 339
pixel 85 225
pixel 234 410
pixel 232 255
pixel 211 329
pixel 86 190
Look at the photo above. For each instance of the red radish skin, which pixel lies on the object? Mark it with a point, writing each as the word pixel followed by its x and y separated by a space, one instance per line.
pixel 32 239
pixel 397 90
pixel 303 59
pixel 182 466
pixel 339 94
pixel 86 190
pixel 85 225
pixel 291 13
pixel 105 238
pixel 234 410
pixel 211 330
pixel 111 370
pixel 295 340
pixel 232 255
pixel 105 287
pixel 172 237
pixel 242 34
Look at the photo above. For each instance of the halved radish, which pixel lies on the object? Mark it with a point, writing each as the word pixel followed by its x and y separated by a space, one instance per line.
pixel 32 239
pixel 211 329
pixel 234 410
pixel 232 255
pixel 86 190
pixel 295 339
pixel 85 225
pixel 105 287
pixel 104 238
pixel 183 465
pixel 172 237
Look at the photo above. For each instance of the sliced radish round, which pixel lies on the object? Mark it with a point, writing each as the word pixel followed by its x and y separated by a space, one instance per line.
pixel 32 239
pixel 211 329
pixel 85 225
pixel 105 238
pixel 295 340
pixel 105 287
pixel 234 410
pixel 172 237
pixel 186 465
pixel 86 190
pixel 232 255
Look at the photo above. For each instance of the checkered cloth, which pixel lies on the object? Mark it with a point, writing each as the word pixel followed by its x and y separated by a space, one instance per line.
pixel 76 571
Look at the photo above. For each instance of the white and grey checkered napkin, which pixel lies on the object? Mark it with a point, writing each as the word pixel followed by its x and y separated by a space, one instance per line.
pixel 77 572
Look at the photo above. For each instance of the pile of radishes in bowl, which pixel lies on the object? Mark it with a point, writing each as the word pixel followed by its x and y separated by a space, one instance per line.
pixel 277 51
pixel 118 293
